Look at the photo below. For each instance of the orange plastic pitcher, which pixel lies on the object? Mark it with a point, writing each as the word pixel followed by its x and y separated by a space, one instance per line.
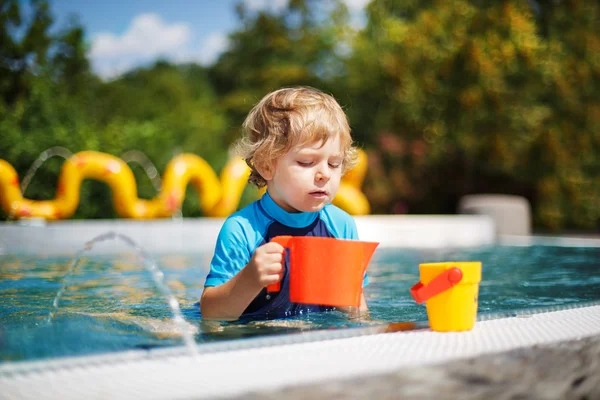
pixel 325 271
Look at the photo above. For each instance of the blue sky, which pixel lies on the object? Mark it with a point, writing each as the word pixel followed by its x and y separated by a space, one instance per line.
pixel 123 34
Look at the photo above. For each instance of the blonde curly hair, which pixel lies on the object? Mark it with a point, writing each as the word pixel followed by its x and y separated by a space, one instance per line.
pixel 287 118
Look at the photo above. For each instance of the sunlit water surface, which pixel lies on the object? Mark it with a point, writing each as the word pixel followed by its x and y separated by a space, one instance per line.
pixel 111 303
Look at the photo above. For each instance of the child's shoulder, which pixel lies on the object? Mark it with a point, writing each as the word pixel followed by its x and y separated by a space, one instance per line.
pixel 339 222
pixel 249 218
pixel 336 213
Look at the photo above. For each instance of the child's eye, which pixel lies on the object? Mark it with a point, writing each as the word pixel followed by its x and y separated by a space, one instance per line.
pixel 335 165
pixel 304 163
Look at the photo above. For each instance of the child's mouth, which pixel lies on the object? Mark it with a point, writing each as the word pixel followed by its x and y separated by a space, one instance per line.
pixel 319 194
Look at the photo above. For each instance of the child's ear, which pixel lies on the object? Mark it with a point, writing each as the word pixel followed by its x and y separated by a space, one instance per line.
pixel 265 170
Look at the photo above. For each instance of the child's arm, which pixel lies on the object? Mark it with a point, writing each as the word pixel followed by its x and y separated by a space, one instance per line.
pixel 229 300
pixel 363 303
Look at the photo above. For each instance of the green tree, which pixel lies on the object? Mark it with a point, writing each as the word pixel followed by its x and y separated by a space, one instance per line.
pixel 41 77
pixel 24 48
pixel 459 97
pixel 163 111
pixel 295 46
pixel 50 97
pixel 566 178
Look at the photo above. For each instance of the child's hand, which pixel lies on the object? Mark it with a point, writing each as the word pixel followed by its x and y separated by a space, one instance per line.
pixel 266 264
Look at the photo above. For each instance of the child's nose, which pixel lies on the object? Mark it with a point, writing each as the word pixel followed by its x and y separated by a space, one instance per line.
pixel 323 174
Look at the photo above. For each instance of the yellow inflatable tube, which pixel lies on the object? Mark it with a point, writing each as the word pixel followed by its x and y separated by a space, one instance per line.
pixel 219 197
pixel 349 197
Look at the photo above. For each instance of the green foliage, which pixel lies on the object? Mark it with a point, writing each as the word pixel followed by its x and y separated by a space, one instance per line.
pixel 566 151
pixel 163 111
pixel 294 47
pixel 474 99
pixel 49 97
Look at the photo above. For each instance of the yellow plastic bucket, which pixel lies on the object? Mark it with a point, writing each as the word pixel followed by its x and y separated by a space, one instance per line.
pixel 450 290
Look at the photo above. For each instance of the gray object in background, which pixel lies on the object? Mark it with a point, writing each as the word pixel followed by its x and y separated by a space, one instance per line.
pixel 511 214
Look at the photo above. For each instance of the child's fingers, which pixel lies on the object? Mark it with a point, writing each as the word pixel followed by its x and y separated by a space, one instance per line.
pixel 271 273
pixel 270 279
pixel 273 247
pixel 269 258
pixel 274 268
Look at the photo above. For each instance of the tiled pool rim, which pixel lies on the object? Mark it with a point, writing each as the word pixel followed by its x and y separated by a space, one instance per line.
pixel 233 368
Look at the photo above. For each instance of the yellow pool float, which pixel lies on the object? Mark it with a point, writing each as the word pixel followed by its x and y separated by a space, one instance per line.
pixel 219 196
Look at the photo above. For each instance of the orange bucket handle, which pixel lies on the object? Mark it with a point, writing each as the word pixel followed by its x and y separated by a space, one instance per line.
pixel 440 283
pixel 285 242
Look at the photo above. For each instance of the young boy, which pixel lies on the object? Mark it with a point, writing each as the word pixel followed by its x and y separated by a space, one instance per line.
pixel 297 142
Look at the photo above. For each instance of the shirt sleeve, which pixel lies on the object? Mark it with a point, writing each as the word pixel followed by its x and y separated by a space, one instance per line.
pixel 231 253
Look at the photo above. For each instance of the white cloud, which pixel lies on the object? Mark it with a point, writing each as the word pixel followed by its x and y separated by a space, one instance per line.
pixel 357 12
pixel 213 46
pixel 356 8
pixel 271 5
pixel 356 5
pixel 148 35
pixel 148 38
pixel 210 49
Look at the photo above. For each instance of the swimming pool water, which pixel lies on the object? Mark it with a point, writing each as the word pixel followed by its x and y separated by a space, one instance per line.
pixel 111 304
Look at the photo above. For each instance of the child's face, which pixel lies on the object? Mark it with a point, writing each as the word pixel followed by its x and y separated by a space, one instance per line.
pixel 307 177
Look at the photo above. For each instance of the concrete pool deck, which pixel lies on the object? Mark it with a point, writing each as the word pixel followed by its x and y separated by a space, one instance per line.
pixel 564 370
pixel 200 234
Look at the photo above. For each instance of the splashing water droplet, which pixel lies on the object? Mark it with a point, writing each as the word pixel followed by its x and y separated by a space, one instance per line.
pixel 149 265
pixel 149 168
pixel 45 155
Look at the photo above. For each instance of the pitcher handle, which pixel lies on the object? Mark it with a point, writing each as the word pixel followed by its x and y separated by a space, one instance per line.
pixel 285 241
pixel 440 283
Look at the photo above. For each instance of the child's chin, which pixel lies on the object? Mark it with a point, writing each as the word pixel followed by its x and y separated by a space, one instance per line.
pixel 314 208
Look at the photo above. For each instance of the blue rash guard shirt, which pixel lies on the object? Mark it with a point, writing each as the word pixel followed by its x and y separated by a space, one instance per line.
pixel 257 224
